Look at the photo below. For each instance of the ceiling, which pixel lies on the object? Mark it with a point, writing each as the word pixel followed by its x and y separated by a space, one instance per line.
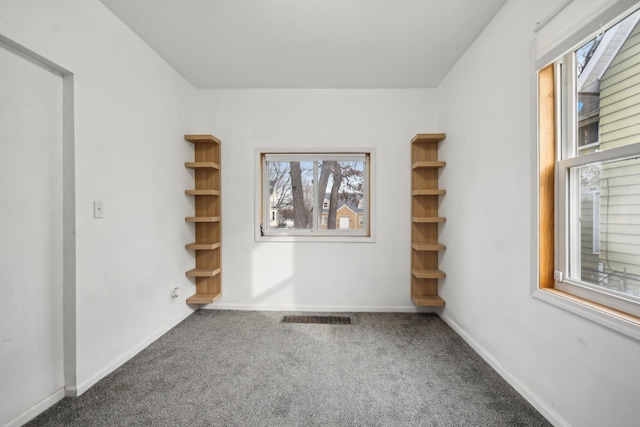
pixel 308 43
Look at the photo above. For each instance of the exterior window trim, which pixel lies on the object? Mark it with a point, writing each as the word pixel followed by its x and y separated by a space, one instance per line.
pixel 316 236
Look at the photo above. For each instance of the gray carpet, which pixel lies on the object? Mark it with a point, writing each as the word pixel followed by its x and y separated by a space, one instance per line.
pixel 238 368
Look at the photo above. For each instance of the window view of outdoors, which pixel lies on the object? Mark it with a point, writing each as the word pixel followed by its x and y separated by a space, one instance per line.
pixel 608 211
pixel 338 189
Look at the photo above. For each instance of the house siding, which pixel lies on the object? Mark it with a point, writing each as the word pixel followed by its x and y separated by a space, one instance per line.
pixel 619 226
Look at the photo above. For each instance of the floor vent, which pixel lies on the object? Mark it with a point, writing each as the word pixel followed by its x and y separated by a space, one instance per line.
pixel 324 320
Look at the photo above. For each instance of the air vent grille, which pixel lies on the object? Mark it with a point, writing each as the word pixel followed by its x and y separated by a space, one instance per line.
pixel 324 320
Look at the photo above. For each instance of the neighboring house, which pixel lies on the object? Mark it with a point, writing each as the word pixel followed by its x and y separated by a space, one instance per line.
pixel 350 212
pixel 275 213
pixel 608 117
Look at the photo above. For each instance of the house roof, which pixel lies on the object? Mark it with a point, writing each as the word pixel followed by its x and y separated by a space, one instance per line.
pixel 607 48
pixel 350 200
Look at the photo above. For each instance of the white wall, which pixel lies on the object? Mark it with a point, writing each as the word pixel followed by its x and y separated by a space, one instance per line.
pixel 573 370
pixel 31 339
pixel 323 276
pixel 131 112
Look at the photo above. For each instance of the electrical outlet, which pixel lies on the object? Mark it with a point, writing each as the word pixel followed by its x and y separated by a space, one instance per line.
pixel 174 294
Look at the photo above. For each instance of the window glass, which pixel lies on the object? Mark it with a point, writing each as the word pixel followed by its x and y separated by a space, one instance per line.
pixel 341 185
pixel 290 194
pixel 323 194
pixel 606 251
pixel 608 93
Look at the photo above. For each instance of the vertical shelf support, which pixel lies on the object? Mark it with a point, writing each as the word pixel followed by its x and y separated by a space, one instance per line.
pixel 207 245
pixel 425 221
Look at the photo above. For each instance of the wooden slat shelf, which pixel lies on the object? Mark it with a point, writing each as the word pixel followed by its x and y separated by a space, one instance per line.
pixel 202 139
pixel 437 192
pixel 202 165
pixel 203 246
pixel 427 300
pixel 428 164
pixel 203 298
pixel 425 227
pixel 203 272
pixel 428 219
pixel 428 247
pixel 202 219
pixel 428 137
pixel 202 192
pixel 428 274
pixel 207 274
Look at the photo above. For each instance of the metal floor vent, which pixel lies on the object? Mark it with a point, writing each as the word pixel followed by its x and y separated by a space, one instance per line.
pixel 324 320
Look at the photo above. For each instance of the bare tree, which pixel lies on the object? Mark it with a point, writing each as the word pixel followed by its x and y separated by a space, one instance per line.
pixel 333 198
pixel 293 189
pixel 280 184
pixel 325 171
pixel 299 214
pixel 346 186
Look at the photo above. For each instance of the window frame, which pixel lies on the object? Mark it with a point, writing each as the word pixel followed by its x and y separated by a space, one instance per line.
pixel 316 234
pixel 557 152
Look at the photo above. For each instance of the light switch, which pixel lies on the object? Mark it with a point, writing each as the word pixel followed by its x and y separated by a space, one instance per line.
pixel 98 209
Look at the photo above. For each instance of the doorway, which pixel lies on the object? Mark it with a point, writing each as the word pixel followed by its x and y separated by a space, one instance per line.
pixel 31 235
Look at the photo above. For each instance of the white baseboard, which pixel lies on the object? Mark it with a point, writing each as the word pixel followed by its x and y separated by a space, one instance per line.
pixel 552 416
pixel 86 385
pixel 313 308
pixel 37 409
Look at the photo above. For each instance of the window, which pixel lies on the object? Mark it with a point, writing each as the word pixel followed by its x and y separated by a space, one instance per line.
pixel 589 171
pixel 315 194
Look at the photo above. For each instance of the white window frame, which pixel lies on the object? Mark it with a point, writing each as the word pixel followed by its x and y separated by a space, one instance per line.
pixel 585 301
pixel 315 234
pixel 595 243
pixel 567 193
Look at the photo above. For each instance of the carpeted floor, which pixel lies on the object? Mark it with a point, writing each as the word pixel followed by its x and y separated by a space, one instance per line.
pixel 239 368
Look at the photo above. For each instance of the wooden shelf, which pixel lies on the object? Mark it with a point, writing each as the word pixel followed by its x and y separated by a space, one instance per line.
pixel 427 274
pixel 202 139
pixel 428 137
pixel 427 300
pixel 203 246
pixel 425 172
pixel 428 247
pixel 428 219
pixel 202 192
pixel 430 164
pixel 203 298
pixel 203 272
pixel 428 192
pixel 202 219
pixel 206 218
pixel 202 165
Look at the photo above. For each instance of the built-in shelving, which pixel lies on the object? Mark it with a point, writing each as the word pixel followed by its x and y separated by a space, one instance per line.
pixel 202 165
pixel 427 274
pixel 202 192
pixel 207 221
pixel 202 219
pixel 437 192
pixel 428 219
pixel 425 222
pixel 203 246
pixel 429 247
pixel 430 164
pixel 203 272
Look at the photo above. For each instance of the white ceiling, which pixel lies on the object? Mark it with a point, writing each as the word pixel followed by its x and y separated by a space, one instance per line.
pixel 308 43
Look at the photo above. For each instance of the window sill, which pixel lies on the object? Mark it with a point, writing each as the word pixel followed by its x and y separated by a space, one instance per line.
pixel 316 239
pixel 620 322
